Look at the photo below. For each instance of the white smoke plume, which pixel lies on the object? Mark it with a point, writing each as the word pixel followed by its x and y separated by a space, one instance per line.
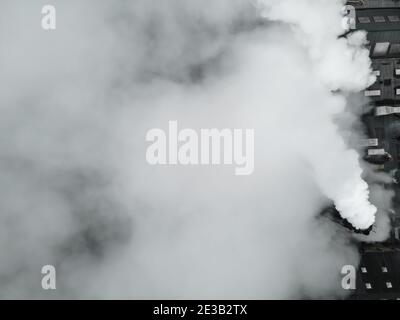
pixel 77 192
pixel 340 64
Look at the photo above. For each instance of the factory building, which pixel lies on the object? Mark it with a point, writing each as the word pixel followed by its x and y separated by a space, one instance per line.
pixel 379 273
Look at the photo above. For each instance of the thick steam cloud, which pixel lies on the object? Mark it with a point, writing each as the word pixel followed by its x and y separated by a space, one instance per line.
pixel 78 193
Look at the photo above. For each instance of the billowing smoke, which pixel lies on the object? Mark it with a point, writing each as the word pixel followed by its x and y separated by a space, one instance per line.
pixel 340 64
pixel 78 193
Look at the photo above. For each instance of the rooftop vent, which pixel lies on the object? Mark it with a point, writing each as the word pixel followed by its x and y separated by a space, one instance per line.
pixel 364 20
pixel 381 49
pixel 394 18
pixel 364 270
pixel 386 110
pixel 372 93
pixel 379 19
